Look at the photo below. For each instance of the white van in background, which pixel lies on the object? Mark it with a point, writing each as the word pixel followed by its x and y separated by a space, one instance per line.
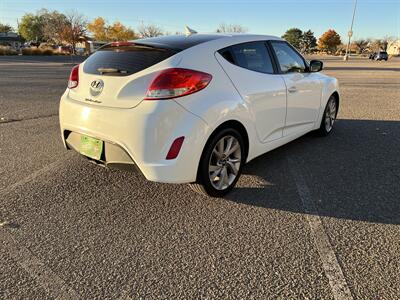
pixel 92 46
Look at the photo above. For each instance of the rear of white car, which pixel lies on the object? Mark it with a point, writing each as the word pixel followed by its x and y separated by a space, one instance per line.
pixel 134 121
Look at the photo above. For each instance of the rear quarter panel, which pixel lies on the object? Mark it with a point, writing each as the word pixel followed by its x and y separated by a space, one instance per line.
pixel 330 85
pixel 220 101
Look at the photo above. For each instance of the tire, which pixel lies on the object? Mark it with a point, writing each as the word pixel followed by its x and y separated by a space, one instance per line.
pixel 329 117
pixel 219 163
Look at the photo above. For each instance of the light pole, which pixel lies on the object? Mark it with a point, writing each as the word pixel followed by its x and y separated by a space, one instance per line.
pixel 350 33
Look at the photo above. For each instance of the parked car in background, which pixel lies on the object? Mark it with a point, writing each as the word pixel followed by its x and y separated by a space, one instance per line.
pixel 194 109
pixel 381 55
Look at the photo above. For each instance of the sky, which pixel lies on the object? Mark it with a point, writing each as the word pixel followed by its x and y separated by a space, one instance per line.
pixel 374 18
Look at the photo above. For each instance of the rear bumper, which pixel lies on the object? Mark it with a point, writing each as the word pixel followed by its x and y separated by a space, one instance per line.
pixel 141 136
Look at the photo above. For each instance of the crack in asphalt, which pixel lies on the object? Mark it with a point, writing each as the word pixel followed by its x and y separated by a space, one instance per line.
pixel 5 120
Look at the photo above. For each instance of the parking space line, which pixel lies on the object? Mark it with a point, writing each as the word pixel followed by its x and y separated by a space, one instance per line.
pixel 35 174
pixel 46 278
pixel 332 269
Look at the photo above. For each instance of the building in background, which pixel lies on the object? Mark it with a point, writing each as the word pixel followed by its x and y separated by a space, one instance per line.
pixel 393 48
pixel 10 39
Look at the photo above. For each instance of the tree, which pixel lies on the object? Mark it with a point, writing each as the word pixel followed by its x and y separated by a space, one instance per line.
pixel 43 26
pixel 361 45
pixel 5 28
pixel 146 31
pixel 31 27
pixel 308 42
pixel 119 32
pixel 378 45
pixel 385 42
pixel 53 26
pixel 99 29
pixel 231 28
pixel 74 29
pixel 294 37
pixel 329 41
pixel 105 32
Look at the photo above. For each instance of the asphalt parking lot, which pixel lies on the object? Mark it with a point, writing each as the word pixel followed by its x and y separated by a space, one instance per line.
pixel 316 219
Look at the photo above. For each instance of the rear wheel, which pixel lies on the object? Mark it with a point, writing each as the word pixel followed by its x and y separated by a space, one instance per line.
pixel 329 116
pixel 221 164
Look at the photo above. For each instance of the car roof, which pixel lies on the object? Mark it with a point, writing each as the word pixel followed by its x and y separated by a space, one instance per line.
pixel 182 42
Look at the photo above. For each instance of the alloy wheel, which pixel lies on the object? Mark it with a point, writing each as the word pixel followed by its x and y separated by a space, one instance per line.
pixel 330 114
pixel 225 162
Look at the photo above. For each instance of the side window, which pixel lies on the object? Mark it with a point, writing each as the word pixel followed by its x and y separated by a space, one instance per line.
pixel 289 60
pixel 253 56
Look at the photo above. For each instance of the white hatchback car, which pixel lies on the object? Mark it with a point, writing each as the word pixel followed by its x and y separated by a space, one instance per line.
pixel 194 109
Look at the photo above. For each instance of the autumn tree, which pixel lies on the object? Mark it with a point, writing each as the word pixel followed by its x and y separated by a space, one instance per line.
pixel 146 31
pixel 294 37
pixel 308 42
pixel 119 32
pixel 5 28
pixel 329 41
pixel 98 27
pixel 74 29
pixel 114 32
pixel 231 28
pixel 361 45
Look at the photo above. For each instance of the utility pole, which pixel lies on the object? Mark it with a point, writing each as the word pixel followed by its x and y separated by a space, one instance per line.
pixel 350 33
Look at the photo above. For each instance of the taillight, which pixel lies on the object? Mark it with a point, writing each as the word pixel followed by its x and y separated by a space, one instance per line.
pixel 175 148
pixel 74 77
pixel 176 82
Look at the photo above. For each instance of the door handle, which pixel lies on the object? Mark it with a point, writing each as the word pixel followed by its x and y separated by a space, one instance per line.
pixel 292 89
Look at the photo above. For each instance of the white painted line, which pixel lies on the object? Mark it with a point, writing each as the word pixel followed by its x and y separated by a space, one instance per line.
pixel 46 278
pixel 333 271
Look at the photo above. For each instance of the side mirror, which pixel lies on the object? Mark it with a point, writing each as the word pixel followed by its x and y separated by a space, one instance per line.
pixel 316 65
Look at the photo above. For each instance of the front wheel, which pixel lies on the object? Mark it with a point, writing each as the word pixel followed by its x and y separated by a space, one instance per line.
pixel 221 164
pixel 329 117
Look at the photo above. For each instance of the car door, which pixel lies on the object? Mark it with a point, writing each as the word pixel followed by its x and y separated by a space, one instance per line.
pixel 251 69
pixel 303 89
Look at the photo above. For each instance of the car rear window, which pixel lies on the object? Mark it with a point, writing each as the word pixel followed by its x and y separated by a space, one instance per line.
pixel 117 60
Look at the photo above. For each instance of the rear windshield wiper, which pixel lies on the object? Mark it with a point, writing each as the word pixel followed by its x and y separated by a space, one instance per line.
pixel 111 70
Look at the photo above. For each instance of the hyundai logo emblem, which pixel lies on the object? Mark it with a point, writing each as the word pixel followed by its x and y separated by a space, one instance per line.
pixel 96 87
